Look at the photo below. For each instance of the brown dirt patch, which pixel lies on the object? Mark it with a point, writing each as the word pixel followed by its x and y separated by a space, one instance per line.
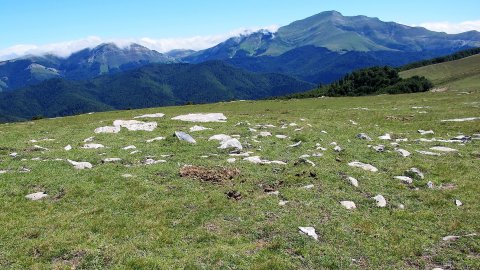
pixel 215 175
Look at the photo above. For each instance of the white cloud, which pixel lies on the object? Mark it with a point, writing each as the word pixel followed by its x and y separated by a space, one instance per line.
pixel 452 28
pixel 66 48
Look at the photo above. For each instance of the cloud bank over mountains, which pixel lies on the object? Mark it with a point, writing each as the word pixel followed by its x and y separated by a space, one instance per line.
pixel 64 49
pixel 163 45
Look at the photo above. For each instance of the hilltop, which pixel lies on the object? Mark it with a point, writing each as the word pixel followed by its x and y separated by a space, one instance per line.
pixel 462 74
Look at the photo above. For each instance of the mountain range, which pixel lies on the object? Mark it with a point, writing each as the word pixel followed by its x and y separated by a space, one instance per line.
pixel 316 50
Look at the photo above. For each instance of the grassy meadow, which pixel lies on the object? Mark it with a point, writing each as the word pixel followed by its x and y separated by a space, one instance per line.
pixel 156 219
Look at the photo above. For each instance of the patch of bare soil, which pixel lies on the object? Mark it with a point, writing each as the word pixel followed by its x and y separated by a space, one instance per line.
pixel 214 175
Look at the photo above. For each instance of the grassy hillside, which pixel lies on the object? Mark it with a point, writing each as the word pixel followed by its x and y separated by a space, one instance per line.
pixel 462 75
pixel 156 219
pixel 150 86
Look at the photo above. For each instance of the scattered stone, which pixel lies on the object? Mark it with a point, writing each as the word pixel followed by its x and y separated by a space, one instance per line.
pixel 265 134
pixel 443 149
pixel 134 125
pixel 462 119
pixel 151 161
pixel 401 206
pixel 379 148
pixel 282 203
pixel 36 196
pixel 154 115
pixel 337 149
pixel 415 172
pixel 317 155
pixel 89 139
pixel 155 139
pixel 281 136
pixel 232 143
pixel 403 152
pixel 202 117
pixel 258 160
pixel 425 132
pixel 430 185
pixel 461 139
pixel 381 202
pixel 127 175
pixel 353 181
pixel 363 136
pixel 427 153
pixel 296 144
pixel 3 171
pixel 348 205
pixel 353 122
pixel 129 147
pixel 458 203
pixel 110 160
pixel 385 137
pixel 68 147
pixel 198 128
pixel 231 160
pixel 14 154
pixel 364 166
pixel 310 231
pixel 93 146
pixel 450 238
pixel 107 129
pixel 80 165
pixel 308 186
pixel 220 137
pixel 404 179
pixel 38 147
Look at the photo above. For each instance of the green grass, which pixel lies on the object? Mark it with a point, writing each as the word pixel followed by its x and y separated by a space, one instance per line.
pixel 461 75
pixel 158 220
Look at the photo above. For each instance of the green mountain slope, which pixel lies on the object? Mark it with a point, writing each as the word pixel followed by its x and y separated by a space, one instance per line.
pixel 339 33
pixel 149 86
pixel 459 74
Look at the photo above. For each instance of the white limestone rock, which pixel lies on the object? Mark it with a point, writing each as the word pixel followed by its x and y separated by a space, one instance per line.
pixel 381 202
pixel 403 152
pixel 462 119
pixel 153 115
pixel 107 129
pixel 385 137
pixel 182 136
pixel 93 146
pixel 80 165
pixel 363 136
pixel 36 196
pixel 198 128
pixel 364 166
pixel 428 153
pixel 310 231
pixel 443 149
pixel 201 117
pixel 353 181
pixel 425 132
pixel 68 147
pixel 155 139
pixel 134 125
pixel 349 205
pixel 404 179
pixel 232 143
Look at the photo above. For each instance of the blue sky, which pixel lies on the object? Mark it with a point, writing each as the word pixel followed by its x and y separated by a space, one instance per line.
pixel 42 22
